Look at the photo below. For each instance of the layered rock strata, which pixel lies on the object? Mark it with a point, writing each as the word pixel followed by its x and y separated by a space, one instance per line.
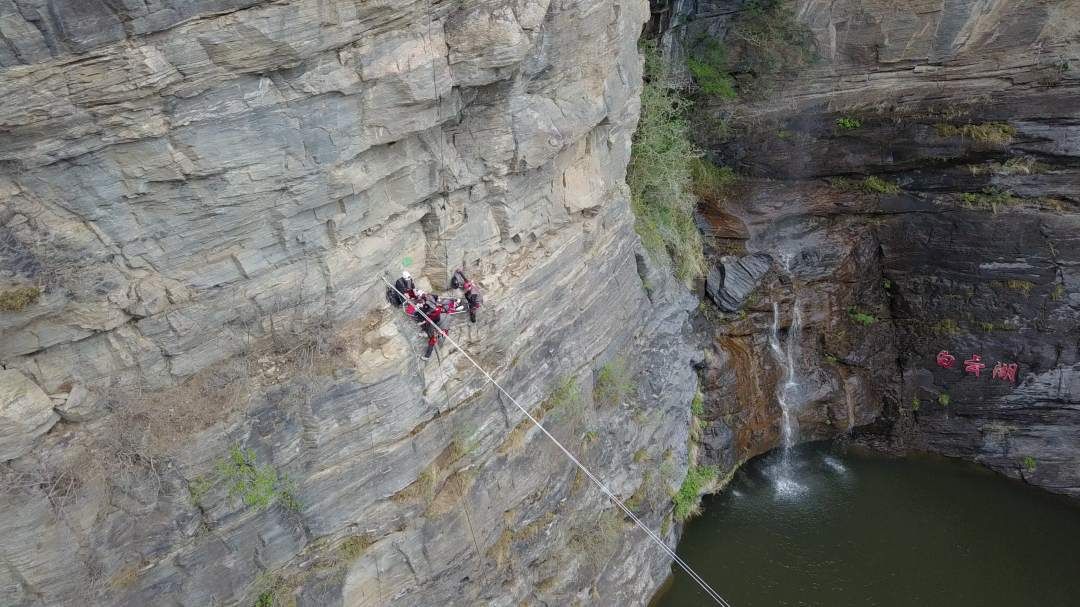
pixel 206 195
pixel 924 172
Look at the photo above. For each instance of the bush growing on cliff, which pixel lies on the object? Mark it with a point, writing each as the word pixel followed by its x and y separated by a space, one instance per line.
pixel 659 174
pixel 613 383
pixel 687 498
pixel 710 182
pixel 256 486
pixel 709 66
pixel 768 43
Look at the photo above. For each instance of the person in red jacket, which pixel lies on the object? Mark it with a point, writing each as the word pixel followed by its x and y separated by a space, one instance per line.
pixel 472 293
pixel 435 323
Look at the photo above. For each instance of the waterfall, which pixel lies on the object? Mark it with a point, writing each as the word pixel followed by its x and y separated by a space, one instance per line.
pixel 787 392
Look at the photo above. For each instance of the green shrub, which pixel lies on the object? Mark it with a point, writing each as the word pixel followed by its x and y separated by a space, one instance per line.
pixel 613 383
pixel 256 486
pixel 709 182
pixel 687 498
pixel 861 317
pixel 1029 463
pixel 998 133
pixel 697 406
pixel 659 174
pixel 17 299
pixel 848 123
pixel 709 67
pixel 915 403
pixel 768 43
pixel 944 399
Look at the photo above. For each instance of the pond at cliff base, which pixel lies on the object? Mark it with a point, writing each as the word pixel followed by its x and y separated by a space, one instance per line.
pixel 866 530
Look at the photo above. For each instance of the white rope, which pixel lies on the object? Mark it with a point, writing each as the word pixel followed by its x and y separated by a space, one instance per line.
pixel 615 500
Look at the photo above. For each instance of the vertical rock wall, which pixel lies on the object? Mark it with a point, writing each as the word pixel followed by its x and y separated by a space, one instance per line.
pixel 203 195
pixel 965 114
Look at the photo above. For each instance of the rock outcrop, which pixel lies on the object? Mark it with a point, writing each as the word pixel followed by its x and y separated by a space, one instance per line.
pixel 25 414
pixel 922 175
pixel 208 194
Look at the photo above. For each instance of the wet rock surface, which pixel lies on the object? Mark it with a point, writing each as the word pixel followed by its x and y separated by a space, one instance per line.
pixel 964 116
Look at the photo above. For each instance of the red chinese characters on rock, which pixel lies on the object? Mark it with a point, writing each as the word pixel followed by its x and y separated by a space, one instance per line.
pixel 945 360
pixel 974 365
pixel 1005 371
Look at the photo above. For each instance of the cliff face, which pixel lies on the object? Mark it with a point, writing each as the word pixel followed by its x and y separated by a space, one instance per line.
pixel 206 398
pixel 921 177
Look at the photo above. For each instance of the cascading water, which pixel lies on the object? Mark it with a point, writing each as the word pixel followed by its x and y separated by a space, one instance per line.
pixel 788 392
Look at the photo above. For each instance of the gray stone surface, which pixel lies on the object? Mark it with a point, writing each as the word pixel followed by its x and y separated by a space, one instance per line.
pixel 208 192
pixel 25 414
pixel 731 281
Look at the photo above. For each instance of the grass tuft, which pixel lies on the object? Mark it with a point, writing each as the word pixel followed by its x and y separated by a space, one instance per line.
pixel 869 185
pixel 613 383
pixel 993 199
pixel 998 133
pixel 17 299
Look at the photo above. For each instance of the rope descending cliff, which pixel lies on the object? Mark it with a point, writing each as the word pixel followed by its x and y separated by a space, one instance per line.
pixel 592 477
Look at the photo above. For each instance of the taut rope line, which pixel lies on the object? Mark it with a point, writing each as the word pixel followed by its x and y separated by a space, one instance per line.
pixel 596 481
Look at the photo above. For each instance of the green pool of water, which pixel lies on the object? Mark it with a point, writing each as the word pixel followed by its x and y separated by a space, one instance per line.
pixel 864 530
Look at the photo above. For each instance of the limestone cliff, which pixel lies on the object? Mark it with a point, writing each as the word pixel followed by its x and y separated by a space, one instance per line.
pixel 920 177
pixel 206 398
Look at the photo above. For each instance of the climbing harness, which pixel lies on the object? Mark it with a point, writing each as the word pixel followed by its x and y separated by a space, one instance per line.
pixel 592 477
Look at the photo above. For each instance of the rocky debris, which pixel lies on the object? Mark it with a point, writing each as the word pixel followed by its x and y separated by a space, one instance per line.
pixel 26 413
pixel 80 405
pixel 731 282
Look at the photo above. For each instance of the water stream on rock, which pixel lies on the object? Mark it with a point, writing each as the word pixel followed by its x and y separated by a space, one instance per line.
pixel 871 530
pixel 787 394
